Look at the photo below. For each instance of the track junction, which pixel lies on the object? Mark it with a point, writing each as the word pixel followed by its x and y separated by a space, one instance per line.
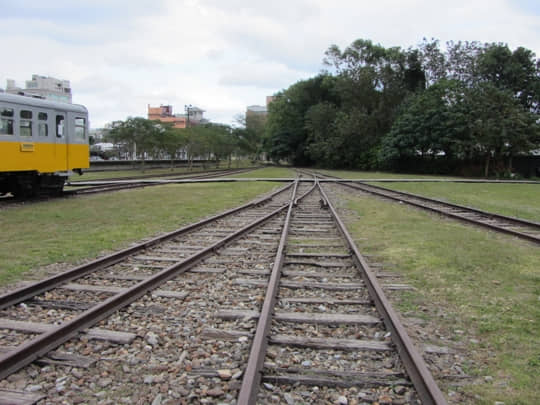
pixel 254 305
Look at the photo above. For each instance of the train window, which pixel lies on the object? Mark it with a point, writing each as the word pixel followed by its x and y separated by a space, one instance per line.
pixel 43 129
pixel 80 128
pixel 6 112
pixel 59 126
pixel 6 124
pixel 25 125
pixel 26 114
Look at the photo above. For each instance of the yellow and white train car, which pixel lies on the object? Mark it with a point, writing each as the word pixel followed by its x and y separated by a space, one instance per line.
pixel 42 142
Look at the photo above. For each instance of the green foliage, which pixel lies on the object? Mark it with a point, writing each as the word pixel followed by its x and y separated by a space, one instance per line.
pixel 138 134
pixel 500 125
pixel 250 137
pixel 68 230
pixel 467 279
pixel 381 105
pixel 286 133
pixel 338 120
pixel 431 122
pixel 482 102
pixel 145 138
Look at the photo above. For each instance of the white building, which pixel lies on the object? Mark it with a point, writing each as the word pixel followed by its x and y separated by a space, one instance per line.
pixel 43 87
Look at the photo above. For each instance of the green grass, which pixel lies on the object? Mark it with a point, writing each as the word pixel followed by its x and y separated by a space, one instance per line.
pixel 104 175
pixel 268 172
pixel 486 284
pixel 68 230
pixel 354 174
pixel 517 200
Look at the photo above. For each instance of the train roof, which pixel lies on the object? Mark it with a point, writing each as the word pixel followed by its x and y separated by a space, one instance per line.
pixel 39 102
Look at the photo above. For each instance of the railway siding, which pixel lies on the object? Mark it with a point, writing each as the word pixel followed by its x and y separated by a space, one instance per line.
pixel 521 228
pixel 189 340
pixel 475 302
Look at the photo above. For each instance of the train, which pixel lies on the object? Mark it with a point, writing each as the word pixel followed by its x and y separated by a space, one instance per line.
pixel 42 142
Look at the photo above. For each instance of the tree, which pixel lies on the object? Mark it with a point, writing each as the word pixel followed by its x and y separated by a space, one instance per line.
pixel 222 143
pixel 170 140
pixel 431 123
pixel 501 127
pixel 322 146
pixel 433 61
pixel 517 72
pixel 250 135
pixel 286 136
pixel 139 134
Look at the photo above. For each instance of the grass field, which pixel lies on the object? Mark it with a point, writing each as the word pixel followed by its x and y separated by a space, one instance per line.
pixel 517 200
pixel 104 175
pixel 480 289
pixel 472 284
pixel 353 174
pixel 269 172
pixel 68 230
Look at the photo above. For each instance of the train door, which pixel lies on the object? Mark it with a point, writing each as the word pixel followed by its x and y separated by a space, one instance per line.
pixel 61 140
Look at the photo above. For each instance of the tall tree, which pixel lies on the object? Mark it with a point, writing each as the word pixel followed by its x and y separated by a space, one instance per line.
pixel 250 135
pixel 170 140
pixel 517 72
pixel 501 127
pixel 286 135
pixel 432 123
pixel 138 133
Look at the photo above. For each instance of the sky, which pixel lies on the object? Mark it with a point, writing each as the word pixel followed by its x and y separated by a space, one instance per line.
pixel 223 55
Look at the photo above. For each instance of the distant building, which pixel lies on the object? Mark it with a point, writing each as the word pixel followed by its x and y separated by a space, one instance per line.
pixel 259 110
pixel 43 87
pixel 164 113
pixel 256 110
pixel 98 134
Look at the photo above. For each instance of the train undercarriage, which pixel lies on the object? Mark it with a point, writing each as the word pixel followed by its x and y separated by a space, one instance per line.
pixel 32 184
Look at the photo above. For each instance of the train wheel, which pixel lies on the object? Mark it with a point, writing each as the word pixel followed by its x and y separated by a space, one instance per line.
pixel 52 185
pixel 26 187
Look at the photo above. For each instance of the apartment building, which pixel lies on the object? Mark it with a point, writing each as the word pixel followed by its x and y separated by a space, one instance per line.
pixel 46 87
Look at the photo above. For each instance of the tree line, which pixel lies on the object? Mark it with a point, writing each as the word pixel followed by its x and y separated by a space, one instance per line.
pixel 149 139
pixel 392 108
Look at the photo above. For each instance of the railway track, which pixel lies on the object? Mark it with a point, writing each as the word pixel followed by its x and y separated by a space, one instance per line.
pixel 206 173
pixel 107 187
pixel 323 306
pixel 271 303
pixel 523 229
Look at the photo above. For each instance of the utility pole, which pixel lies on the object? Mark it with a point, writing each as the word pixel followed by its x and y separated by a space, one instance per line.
pixel 188 108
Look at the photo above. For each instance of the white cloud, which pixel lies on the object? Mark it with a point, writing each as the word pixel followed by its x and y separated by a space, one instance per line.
pixel 222 56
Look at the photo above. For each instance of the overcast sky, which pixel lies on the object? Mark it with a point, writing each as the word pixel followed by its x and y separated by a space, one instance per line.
pixel 223 55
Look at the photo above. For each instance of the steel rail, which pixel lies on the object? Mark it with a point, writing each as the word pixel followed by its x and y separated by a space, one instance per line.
pixel 490 215
pixel 107 184
pixel 253 373
pixel 429 180
pixel 458 206
pixel 47 284
pixel 417 370
pixel 530 238
pixel 207 173
pixel 42 344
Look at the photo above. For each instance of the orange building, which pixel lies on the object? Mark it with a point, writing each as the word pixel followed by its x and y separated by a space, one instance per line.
pixel 164 113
